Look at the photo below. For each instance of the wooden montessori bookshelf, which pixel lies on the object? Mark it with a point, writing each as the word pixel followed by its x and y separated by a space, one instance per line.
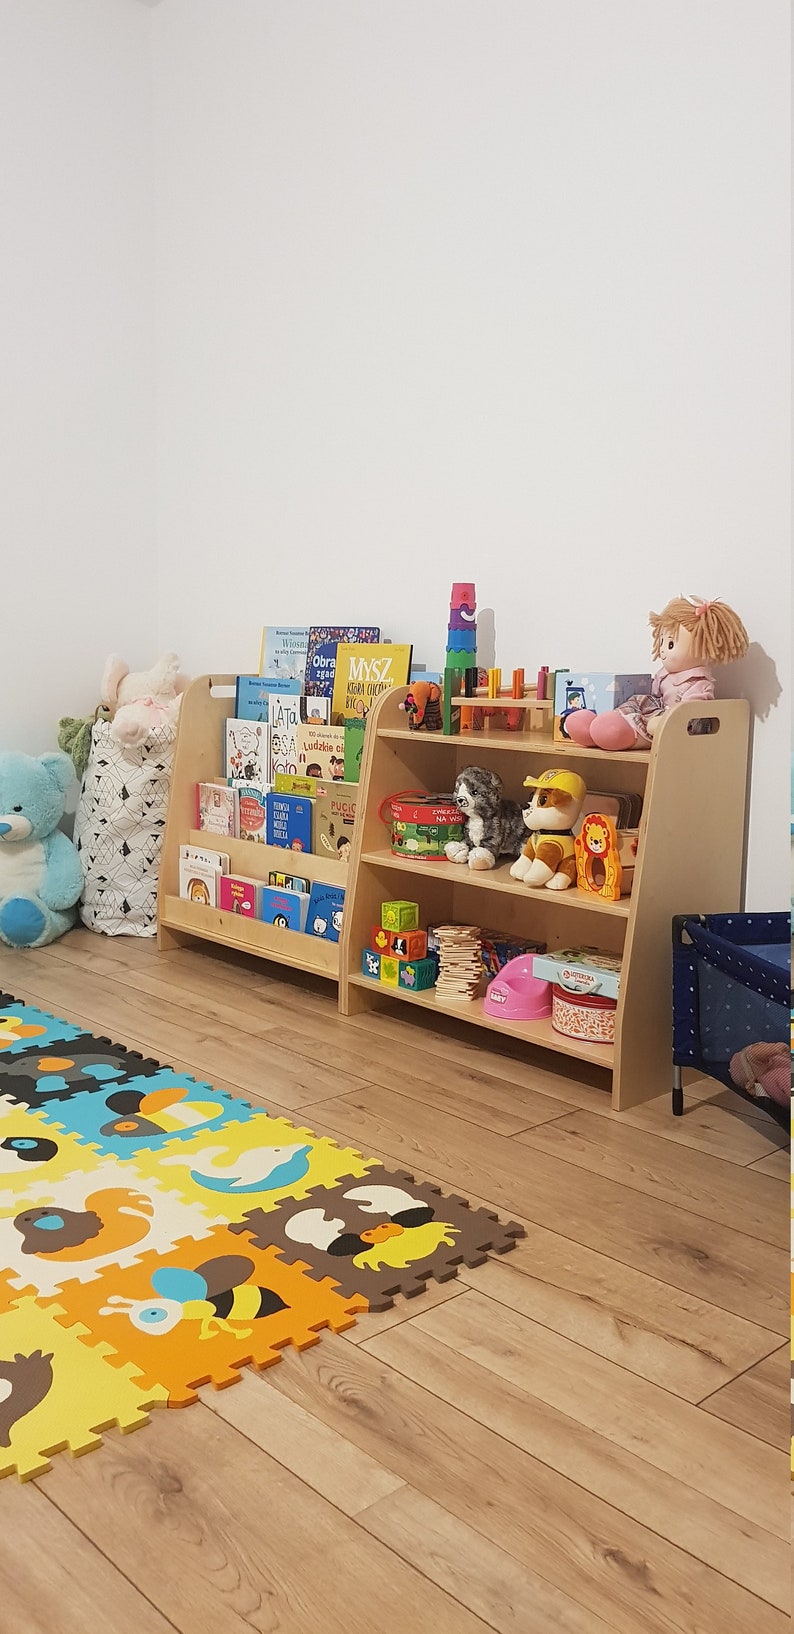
pixel 198 759
pixel 690 860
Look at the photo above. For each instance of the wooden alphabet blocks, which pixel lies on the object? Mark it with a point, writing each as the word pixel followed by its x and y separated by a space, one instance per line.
pixel 399 916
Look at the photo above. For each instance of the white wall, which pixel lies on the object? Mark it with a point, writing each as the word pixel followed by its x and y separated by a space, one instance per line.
pixel 76 334
pixel 490 289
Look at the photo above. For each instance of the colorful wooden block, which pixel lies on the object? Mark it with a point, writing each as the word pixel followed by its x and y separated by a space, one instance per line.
pixel 370 963
pixel 381 939
pixel 399 915
pixel 417 974
pixel 408 944
pixel 390 971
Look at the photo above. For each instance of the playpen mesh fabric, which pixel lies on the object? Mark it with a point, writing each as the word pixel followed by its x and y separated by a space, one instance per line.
pixel 731 988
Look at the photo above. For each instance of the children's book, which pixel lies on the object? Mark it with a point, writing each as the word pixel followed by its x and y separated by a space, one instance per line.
pixel 289 821
pixel 208 858
pixel 252 691
pixel 316 710
pixel 239 895
pixel 285 783
pixel 288 882
pixel 321 752
pixel 334 817
pixel 326 904
pixel 218 809
pixel 247 752
pixel 354 748
pixel 364 671
pixel 321 656
pixel 252 804
pixel 283 907
pixel 284 720
pixel 598 690
pixel 283 652
pixel 198 882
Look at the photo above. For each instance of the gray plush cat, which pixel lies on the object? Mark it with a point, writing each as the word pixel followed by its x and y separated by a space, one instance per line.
pixel 494 826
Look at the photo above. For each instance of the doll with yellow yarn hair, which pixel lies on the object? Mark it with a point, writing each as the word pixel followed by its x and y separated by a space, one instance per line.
pixel 689 637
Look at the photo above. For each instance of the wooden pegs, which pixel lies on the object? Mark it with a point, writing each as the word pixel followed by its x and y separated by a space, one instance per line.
pixel 518 683
pixel 494 682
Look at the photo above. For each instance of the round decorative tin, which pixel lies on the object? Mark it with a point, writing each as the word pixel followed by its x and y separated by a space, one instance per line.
pixel 588 1016
pixel 423 824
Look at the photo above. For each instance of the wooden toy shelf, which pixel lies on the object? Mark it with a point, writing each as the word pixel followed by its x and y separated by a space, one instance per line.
pixel 690 860
pixel 205 707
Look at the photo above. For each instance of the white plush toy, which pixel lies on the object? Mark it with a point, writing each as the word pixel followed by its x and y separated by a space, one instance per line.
pixel 139 702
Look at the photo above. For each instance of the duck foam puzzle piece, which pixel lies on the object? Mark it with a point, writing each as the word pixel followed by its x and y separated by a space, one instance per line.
pixel 199 1314
pixel 147 1112
pixel 384 1236
pixel 55 1394
pixel 265 1159
pixel 67 1231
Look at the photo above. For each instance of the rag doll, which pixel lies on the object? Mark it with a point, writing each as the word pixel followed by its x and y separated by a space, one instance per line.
pixel 689 636
pixel 494 826
pixel 549 857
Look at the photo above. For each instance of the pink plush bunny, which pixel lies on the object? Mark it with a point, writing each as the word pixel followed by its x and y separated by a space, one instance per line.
pixel 140 701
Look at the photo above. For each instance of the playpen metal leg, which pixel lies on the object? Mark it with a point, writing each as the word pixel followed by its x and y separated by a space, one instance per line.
pixel 678 1093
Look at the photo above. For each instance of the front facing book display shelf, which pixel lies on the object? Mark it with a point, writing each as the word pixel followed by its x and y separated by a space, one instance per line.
pixel 693 782
pixel 208 702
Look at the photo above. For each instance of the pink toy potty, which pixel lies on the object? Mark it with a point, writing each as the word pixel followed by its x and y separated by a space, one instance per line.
pixel 518 995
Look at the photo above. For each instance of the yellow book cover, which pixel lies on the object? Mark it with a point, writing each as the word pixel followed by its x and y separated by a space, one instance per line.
pixel 363 671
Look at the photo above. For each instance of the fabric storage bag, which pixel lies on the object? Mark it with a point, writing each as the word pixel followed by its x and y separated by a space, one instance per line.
pixel 119 828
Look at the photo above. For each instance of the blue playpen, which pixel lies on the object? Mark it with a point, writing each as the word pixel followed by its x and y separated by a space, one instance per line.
pixel 731 988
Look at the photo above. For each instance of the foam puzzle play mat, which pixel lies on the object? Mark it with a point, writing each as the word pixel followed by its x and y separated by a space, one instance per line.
pixel 157 1234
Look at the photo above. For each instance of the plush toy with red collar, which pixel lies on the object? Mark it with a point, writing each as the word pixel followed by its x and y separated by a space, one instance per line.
pixel 689 636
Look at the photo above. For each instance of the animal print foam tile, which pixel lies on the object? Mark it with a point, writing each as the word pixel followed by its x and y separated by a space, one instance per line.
pixel 22 1025
pixel 30 1151
pixel 382 1238
pixel 54 1393
pixel 197 1315
pixel 38 1076
pixel 67 1230
pixel 264 1158
pixel 147 1112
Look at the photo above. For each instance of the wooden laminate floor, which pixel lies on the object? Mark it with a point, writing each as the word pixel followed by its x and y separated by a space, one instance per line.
pixel 586 1437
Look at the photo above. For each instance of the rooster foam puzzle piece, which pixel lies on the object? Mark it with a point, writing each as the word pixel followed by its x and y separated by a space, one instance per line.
pixel 263 1160
pixel 22 1025
pixel 68 1230
pixel 197 1315
pixel 147 1112
pixel 31 1150
pixel 55 1393
pixel 384 1236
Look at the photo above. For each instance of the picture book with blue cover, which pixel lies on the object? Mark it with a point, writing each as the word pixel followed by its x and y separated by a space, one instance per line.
pixel 285 908
pixel 599 690
pixel 321 656
pixel 326 905
pixel 251 695
pixel 289 821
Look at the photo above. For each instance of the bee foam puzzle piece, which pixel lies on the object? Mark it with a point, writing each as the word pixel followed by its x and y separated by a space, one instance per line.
pixel 65 1231
pixel 31 1150
pixel 263 1160
pixel 197 1315
pixel 146 1112
pixel 384 1236
pixel 55 1394
pixel 38 1077
pixel 22 1025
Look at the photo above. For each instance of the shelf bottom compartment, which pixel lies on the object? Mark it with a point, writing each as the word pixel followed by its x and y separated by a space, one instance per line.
pixel 471 1010
pixel 287 947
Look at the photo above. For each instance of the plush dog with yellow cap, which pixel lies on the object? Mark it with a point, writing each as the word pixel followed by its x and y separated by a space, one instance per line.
pixel 548 858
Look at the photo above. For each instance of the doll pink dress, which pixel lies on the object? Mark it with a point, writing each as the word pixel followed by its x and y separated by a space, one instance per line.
pixel 626 727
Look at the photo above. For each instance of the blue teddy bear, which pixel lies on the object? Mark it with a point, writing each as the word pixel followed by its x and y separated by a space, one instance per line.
pixel 40 874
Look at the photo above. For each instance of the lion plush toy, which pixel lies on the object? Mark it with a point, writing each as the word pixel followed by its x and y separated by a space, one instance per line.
pixel 549 857
pixel 494 826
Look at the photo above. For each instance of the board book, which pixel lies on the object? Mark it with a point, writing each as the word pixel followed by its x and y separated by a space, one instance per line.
pixel 252 692
pixel 198 882
pixel 283 650
pixel 363 671
pixel 211 859
pixel 598 690
pixel 252 806
pixel 325 911
pixel 288 882
pixel 324 639
pixel 334 819
pixel 282 907
pixel 239 895
pixel 246 752
pixel 284 713
pixel 285 783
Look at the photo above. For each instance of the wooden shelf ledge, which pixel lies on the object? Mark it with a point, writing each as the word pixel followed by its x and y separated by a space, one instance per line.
pixel 288 947
pixel 495 879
